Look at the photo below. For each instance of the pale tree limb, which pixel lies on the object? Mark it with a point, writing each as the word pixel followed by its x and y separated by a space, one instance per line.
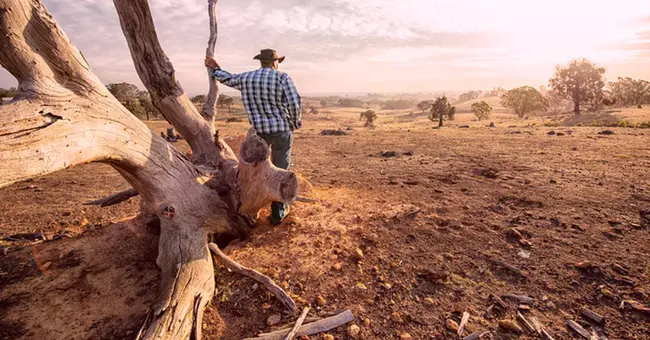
pixel 210 106
pixel 316 327
pixel 299 322
pixel 279 293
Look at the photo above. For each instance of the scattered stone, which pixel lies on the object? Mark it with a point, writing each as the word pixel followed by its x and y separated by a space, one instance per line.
pixel 551 133
pixel 606 132
pixel 510 325
pixel 451 325
pixel 360 286
pixel 332 132
pixel 353 330
pixel 552 181
pixel 328 337
pixel 273 320
pixel 523 307
pixel 429 302
pixel 585 265
pixel 388 154
pixel 387 285
pixel 491 125
pixel 396 317
pixel 366 322
pixel 358 254
pixel 321 301
pixel 336 266
pixel 405 336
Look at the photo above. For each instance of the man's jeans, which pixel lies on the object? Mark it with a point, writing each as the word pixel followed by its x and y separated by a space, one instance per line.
pixel 280 143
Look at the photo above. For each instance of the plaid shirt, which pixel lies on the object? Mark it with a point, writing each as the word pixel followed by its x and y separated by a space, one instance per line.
pixel 270 98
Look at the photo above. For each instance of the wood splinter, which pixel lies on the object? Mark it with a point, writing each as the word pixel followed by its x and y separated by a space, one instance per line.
pixel 279 293
pixel 299 322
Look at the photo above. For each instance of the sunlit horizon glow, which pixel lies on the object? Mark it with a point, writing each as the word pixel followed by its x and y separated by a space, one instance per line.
pixel 376 45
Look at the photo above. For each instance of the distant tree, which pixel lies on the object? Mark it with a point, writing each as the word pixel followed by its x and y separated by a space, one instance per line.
pixel 226 101
pixel 323 103
pixel 425 105
pixel 524 100
pixel 124 92
pixel 481 110
pixel 467 96
pixel 198 99
pixel 441 109
pixel 313 110
pixel 496 92
pixel 581 81
pixel 369 116
pixel 628 91
pixel 348 102
pixel 8 93
pixel 400 104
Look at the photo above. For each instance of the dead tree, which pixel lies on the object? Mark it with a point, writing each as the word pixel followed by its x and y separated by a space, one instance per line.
pixel 64 116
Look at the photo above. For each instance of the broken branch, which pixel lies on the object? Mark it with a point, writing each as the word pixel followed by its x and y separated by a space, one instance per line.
pixel 279 293
pixel 299 322
pixel 319 326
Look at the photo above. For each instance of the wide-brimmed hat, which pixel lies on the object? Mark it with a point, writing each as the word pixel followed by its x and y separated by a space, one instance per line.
pixel 269 55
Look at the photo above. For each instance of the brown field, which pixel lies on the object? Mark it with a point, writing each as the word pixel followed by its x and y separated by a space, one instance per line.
pixel 434 221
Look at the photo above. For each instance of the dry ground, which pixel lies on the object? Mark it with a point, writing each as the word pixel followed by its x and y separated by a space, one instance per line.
pixel 434 222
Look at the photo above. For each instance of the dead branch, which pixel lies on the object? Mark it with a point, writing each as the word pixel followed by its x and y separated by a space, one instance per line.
pixel 319 326
pixel 114 199
pixel 279 293
pixel 299 322
pixel 210 106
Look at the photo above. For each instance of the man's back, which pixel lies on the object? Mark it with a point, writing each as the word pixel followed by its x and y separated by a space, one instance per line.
pixel 270 98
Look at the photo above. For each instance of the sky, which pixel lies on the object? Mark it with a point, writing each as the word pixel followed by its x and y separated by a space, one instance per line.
pixel 337 46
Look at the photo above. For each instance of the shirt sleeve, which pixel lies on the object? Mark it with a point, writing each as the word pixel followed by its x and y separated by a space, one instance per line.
pixel 228 79
pixel 293 102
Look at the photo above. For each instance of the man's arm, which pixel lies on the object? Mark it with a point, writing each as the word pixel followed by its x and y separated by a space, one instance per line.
pixel 224 77
pixel 293 102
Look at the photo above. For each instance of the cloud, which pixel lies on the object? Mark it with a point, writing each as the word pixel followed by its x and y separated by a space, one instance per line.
pixel 375 45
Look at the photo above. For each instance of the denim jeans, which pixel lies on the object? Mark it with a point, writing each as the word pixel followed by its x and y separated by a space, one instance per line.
pixel 280 143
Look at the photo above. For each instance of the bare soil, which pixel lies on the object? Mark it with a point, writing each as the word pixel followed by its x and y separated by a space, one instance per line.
pixel 432 211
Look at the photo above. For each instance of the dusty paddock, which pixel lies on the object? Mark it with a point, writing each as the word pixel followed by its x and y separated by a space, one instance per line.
pixel 434 223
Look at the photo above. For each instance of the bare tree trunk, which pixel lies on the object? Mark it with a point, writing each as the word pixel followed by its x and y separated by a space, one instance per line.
pixel 64 116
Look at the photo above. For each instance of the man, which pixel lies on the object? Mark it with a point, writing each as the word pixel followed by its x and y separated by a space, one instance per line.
pixel 273 106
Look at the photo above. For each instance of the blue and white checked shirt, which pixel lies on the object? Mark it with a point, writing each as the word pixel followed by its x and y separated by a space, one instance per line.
pixel 270 98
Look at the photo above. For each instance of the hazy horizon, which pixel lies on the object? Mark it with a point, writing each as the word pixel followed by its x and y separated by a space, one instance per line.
pixel 382 46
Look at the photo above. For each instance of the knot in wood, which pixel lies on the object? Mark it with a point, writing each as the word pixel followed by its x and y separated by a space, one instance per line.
pixel 168 211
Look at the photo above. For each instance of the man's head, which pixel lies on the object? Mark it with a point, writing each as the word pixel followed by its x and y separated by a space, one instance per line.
pixel 269 58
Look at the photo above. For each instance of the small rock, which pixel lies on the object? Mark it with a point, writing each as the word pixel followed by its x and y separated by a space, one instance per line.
pixel 585 265
pixel 328 337
pixel 553 181
pixel 510 325
pixel 551 133
pixel 358 254
pixel 387 285
pixel 321 301
pixel 451 325
pixel 429 302
pixel 405 336
pixel 606 132
pixel 353 330
pixel 273 320
pixel 336 266
pixel 396 317
pixel 360 286
pixel 366 322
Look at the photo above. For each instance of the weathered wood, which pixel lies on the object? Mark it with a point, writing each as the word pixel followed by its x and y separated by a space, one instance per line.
pixel 593 316
pixel 114 199
pixel 578 329
pixel 209 110
pixel 319 326
pixel 279 293
pixel 463 322
pixel 299 322
pixel 540 329
pixel 523 299
pixel 522 319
